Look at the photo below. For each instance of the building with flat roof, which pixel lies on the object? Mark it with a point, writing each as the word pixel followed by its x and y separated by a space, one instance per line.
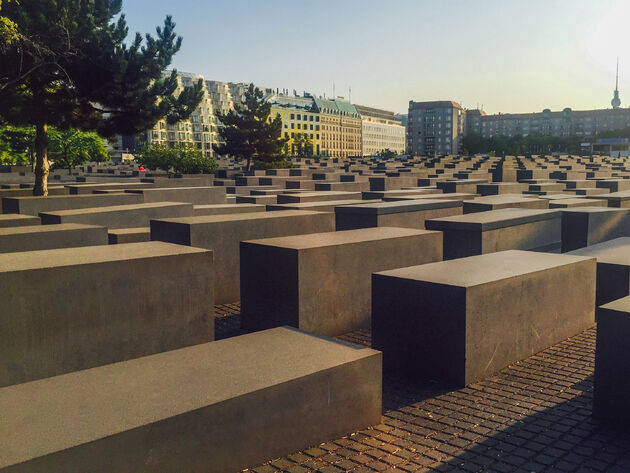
pixel 380 130
pixel 435 128
pixel 340 127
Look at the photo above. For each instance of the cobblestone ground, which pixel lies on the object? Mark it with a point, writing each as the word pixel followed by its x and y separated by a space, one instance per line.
pixel 534 416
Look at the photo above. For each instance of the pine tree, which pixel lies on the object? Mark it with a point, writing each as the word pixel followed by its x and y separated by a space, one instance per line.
pixel 71 68
pixel 247 132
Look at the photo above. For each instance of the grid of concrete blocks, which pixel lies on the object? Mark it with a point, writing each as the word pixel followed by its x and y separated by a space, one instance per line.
pixel 454 313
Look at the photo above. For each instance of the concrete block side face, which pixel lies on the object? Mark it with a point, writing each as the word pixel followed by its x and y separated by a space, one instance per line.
pixel 336 281
pixel 269 286
pixel 511 319
pixel 95 314
pixel 613 282
pixel 51 240
pixel 171 232
pixel 239 433
pixel 420 327
pixel 462 243
pixel 529 236
pixel 349 221
pixel 574 231
pixel 607 226
pixel 612 365
pixel 416 219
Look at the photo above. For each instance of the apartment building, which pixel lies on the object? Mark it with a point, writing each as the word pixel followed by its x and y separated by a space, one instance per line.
pixel 435 128
pixel 340 127
pixel 583 123
pixel 380 130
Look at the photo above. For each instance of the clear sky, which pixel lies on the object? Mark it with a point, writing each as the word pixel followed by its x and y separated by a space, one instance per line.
pixel 507 55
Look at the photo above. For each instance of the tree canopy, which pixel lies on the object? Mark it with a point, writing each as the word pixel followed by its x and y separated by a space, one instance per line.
pixel 71 67
pixel 247 133
pixel 72 147
pixel 184 159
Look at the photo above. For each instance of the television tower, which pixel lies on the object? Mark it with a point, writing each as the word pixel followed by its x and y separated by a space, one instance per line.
pixel 616 102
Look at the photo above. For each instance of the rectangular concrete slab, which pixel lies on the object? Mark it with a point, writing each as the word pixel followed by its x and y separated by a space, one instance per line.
pixel 223 234
pixel 35 205
pixel 586 226
pixel 18 220
pixel 222 209
pixel 195 195
pixel 612 365
pixel 120 216
pixel 463 320
pixel 116 236
pixel 216 407
pixel 321 282
pixel 503 201
pixel 406 213
pixel 497 230
pixel 48 237
pixel 317 196
pixel 76 308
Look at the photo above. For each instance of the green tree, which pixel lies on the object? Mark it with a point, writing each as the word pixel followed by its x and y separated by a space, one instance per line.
pixel 184 159
pixel 71 147
pixel 387 153
pixel 303 145
pixel 86 76
pixel 17 145
pixel 247 132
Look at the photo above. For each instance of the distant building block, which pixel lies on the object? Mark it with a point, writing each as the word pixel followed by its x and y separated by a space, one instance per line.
pixel 586 226
pixel 321 282
pixel 48 237
pixel 612 364
pixel 463 320
pixel 498 230
pixel 404 213
pixel 70 309
pixel 216 407
pixel 223 234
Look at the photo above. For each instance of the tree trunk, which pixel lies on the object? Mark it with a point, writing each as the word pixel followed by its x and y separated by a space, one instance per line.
pixel 41 164
pixel 249 160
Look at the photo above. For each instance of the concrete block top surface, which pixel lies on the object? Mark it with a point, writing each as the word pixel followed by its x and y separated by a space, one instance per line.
pixel 7 217
pixel 491 220
pixel 316 240
pixel 45 228
pixel 482 269
pixel 67 197
pixel 229 206
pixel 399 206
pixel 503 199
pixel 620 305
pixel 621 195
pixel 202 219
pixel 52 414
pixel 115 208
pixel 594 210
pixel 167 189
pixel 28 260
pixel 615 251
pixel 129 231
pixel 326 203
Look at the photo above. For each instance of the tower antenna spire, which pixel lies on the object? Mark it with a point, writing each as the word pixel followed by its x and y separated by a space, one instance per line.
pixel 616 101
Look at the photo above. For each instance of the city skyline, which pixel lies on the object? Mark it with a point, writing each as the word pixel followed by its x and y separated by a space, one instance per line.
pixel 509 57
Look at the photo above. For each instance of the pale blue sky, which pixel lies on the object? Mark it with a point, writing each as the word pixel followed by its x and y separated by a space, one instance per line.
pixel 509 55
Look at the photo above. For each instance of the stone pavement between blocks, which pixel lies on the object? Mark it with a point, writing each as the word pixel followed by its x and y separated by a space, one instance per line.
pixel 534 416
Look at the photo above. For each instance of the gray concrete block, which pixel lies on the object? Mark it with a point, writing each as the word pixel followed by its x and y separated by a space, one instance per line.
pixel 223 234
pixel 406 213
pixel 222 209
pixel 497 230
pixel 463 320
pixel 48 237
pixel 612 365
pixel 70 309
pixel 119 216
pixel 35 205
pixel 195 195
pixel 503 201
pixel 18 220
pixel 116 236
pixel 321 282
pixel 216 407
pixel 316 196
pixel 586 226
